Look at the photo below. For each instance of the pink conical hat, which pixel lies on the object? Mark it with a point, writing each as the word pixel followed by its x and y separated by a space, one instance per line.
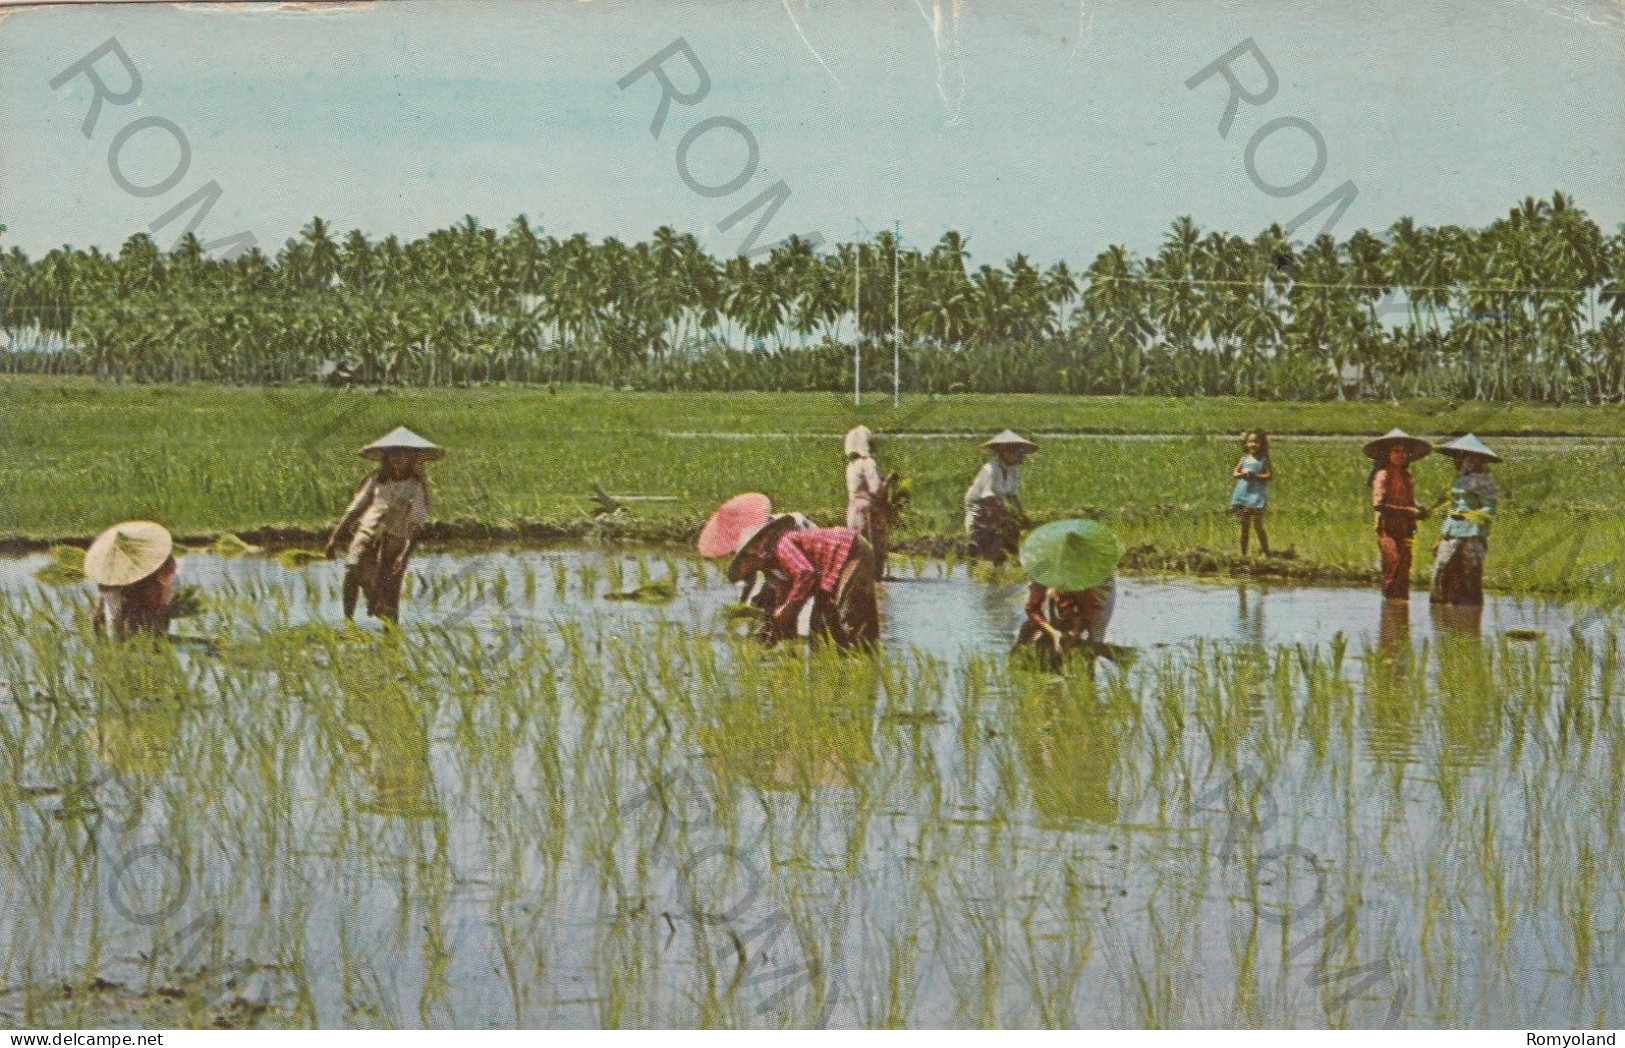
pixel 723 532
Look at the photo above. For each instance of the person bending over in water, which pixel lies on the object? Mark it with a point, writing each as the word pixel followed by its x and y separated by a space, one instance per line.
pixel 1073 567
pixel 832 567
pixel 387 513
pixel 993 513
pixel 133 567
pixel 1060 620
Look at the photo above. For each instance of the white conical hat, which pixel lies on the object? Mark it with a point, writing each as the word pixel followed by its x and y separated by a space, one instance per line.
pixel 1378 449
pixel 859 441
pixel 1468 445
pixel 1011 439
pixel 402 439
pixel 127 553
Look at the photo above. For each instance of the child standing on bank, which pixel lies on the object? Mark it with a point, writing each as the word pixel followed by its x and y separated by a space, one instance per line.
pixel 1250 496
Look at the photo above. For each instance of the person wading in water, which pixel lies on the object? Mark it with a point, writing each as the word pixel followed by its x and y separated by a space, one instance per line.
pixel 387 513
pixel 134 569
pixel 832 567
pixel 1458 562
pixel 1073 565
pixel 1393 498
pixel 993 514
pixel 867 510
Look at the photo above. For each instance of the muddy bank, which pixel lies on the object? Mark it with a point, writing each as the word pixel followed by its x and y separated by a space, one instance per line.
pixel 679 535
pixel 1201 562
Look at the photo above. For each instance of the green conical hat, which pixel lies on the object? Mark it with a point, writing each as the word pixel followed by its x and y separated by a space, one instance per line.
pixel 1468 445
pixel 402 439
pixel 1070 555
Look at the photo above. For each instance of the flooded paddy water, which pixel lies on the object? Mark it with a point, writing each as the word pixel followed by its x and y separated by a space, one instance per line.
pixel 537 806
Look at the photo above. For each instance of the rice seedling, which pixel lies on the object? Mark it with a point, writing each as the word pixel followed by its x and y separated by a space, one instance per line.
pixel 533 807
pixel 65 568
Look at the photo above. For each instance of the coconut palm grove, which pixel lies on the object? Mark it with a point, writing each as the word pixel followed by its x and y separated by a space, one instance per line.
pixel 1531 306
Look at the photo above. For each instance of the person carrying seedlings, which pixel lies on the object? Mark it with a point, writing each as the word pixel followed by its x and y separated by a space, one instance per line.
pixel 1458 562
pixel 134 569
pixel 867 510
pixel 1249 498
pixel 993 514
pixel 387 513
pixel 832 567
pixel 1393 498
pixel 1073 568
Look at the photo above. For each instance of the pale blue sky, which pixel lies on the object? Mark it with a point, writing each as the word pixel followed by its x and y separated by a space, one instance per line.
pixel 1049 127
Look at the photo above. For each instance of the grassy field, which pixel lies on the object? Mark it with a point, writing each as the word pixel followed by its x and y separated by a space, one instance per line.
pixel 75 457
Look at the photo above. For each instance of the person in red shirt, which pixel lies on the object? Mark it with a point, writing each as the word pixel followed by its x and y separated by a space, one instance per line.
pixel 832 567
pixel 1393 499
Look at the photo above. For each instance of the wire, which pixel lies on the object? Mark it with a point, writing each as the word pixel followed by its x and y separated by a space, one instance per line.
pixel 1455 288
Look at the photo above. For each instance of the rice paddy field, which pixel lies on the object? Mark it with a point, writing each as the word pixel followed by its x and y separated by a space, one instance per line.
pixel 535 805
pixel 570 789
pixel 279 465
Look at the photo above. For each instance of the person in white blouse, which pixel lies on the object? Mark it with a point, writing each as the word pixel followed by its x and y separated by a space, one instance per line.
pixel 387 513
pixel 866 493
pixel 993 513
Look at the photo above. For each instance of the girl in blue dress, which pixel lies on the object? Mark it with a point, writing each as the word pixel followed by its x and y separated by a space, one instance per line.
pixel 1249 498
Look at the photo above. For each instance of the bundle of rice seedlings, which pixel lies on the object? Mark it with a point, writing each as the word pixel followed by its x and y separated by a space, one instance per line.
pixel 229 545
pixel 188 602
pixel 663 592
pixel 299 558
pixel 67 567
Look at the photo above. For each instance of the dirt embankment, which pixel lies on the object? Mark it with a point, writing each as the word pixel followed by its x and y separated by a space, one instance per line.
pixel 1199 561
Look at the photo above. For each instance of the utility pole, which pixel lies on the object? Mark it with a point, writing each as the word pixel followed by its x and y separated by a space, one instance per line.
pixel 896 314
pixel 857 317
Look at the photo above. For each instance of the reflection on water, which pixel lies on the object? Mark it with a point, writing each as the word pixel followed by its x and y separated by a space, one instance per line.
pixel 1069 747
pixel 946 612
pixel 518 808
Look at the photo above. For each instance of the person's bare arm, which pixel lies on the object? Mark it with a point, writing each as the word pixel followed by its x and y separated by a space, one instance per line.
pixel 357 506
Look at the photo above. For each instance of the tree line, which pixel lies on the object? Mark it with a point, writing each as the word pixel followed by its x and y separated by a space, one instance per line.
pixel 1531 306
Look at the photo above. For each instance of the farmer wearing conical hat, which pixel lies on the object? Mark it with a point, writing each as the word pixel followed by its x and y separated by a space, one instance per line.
pixel 1393 498
pixel 387 513
pixel 1073 568
pixel 134 569
pixel 866 494
pixel 832 567
pixel 1458 562
pixel 993 513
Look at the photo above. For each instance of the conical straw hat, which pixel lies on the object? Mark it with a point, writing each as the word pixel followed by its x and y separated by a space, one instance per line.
pixel 127 553
pixel 859 441
pixel 1468 445
pixel 727 527
pixel 1070 555
pixel 1011 439
pixel 1378 449
pixel 402 439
